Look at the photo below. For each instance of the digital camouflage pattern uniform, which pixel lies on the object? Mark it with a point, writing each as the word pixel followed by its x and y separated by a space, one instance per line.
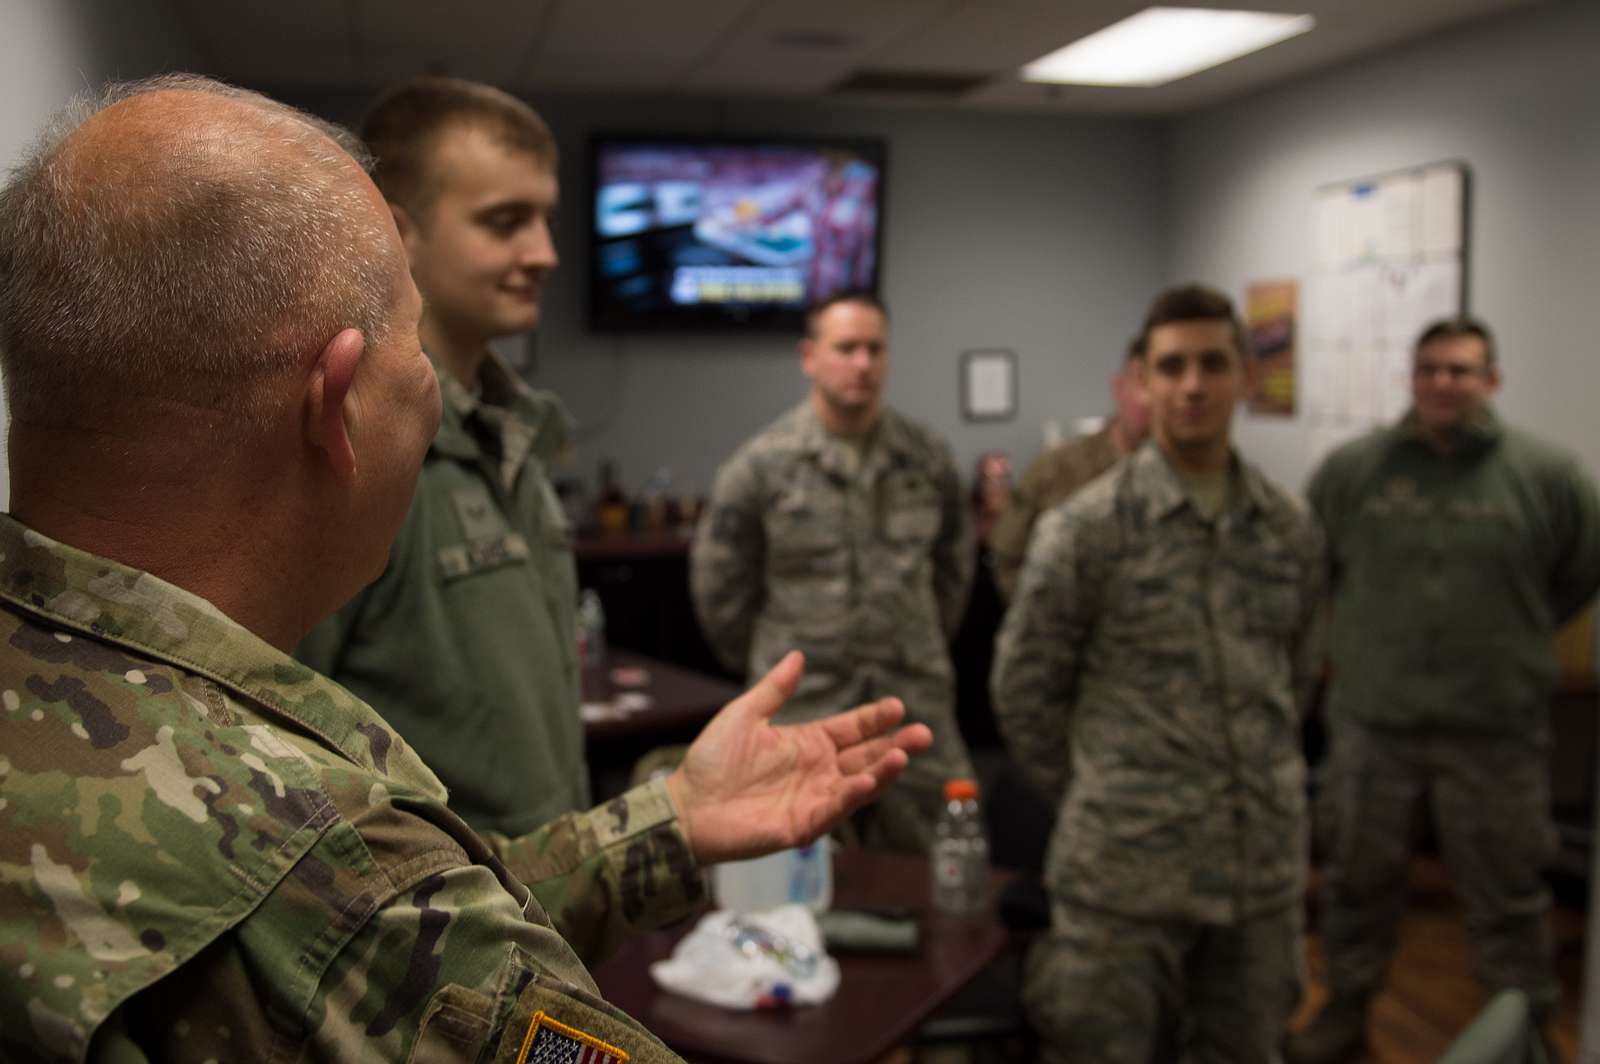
pixel 209 852
pixel 1150 677
pixel 1050 479
pixel 1451 575
pixel 865 571
pixel 467 643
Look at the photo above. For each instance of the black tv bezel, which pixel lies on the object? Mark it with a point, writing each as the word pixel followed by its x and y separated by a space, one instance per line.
pixel 718 318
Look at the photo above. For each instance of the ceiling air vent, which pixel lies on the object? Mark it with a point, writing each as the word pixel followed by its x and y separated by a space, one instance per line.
pixel 909 83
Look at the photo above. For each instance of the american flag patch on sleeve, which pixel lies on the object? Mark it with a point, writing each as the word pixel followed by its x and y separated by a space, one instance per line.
pixel 550 1041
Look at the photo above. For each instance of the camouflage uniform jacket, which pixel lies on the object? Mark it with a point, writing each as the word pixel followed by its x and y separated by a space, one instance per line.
pixel 865 573
pixel 467 642
pixel 1048 480
pixel 1451 575
pixel 210 852
pixel 1150 677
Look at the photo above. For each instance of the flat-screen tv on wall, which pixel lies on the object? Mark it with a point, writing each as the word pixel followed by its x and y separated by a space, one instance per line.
pixel 707 233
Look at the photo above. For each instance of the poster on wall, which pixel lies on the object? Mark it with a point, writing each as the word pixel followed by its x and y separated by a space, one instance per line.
pixel 1270 311
pixel 1388 257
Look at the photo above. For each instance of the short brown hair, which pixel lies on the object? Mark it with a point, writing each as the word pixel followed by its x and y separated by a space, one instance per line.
pixel 1194 302
pixel 859 296
pixel 1460 325
pixel 404 124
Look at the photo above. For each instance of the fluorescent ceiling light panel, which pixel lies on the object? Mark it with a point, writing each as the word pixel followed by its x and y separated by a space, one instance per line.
pixel 1162 44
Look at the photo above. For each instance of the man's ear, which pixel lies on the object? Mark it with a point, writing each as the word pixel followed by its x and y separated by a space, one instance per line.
pixel 327 396
pixel 408 231
pixel 805 347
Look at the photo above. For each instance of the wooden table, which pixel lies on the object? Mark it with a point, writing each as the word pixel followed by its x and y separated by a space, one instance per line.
pixel 681 699
pixel 681 702
pixel 881 999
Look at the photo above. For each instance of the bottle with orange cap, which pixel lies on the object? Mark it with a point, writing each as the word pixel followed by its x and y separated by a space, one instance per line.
pixel 960 857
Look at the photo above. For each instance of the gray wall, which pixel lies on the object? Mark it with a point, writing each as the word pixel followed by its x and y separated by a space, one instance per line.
pixel 1038 233
pixel 54 48
pixel 1514 97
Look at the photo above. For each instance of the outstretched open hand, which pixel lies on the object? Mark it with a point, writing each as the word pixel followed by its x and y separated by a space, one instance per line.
pixel 747 786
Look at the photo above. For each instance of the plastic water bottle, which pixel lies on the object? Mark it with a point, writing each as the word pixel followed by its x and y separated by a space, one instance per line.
pixel 591 625
pixel 960 856
pixel 803 875
pixel 591 630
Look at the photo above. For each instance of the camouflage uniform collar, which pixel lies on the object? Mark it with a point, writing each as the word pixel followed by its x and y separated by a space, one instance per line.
pixel 70 589
pixel 893 440
pixel 1163 486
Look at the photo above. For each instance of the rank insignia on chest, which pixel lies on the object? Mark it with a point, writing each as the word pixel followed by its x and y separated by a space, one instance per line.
pixel 550 1041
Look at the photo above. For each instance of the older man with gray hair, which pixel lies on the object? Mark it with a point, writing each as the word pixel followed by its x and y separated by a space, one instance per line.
pixel 219 405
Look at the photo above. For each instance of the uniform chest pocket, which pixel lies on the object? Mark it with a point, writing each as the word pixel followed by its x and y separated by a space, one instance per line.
pixel 911 513
pixel 1270 598
pixel 798 532
pixel 460 560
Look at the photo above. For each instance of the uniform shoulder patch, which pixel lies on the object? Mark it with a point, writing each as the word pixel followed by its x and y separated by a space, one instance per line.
pixel 550 1041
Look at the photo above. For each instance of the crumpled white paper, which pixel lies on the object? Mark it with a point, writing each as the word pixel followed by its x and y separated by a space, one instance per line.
pixel 740 961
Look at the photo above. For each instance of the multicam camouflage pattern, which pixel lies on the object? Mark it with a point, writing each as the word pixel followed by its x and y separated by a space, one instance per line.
pixel 207 851
pixel 1489 797
pixel 467 643
pixel 1160 662
pixel 1051 478
pixel 1108 989
pixel 866 572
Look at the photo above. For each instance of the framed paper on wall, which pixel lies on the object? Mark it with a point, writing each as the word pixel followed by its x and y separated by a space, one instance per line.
pixel 989 385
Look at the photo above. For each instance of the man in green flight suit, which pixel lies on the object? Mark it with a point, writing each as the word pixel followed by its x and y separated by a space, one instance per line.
pixel 218 409
pixel 1458 546
pixel 468 641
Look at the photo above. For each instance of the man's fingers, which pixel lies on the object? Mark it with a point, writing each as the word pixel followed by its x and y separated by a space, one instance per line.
pixel 894 750
pixel 772 690
pixel 864 722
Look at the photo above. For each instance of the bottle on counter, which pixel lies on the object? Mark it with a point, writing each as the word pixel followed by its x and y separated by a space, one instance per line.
pixel 592 645
pixel 611 508
pixel 959 860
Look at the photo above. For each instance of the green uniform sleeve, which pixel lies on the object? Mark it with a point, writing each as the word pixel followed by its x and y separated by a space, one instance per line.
pixel 1039 652
pixel 452 969
pixel 1576 575
pixel 602 875
pixel 726 564
pixel 954 552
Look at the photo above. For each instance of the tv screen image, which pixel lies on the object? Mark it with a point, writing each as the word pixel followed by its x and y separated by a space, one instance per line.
pixel 742 233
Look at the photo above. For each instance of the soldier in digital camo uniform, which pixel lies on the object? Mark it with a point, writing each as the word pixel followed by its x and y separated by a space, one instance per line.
pixel 841 530
pixel 208 851
pixel 1149 676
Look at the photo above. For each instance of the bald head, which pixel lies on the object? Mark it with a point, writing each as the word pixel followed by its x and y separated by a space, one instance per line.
pixel 183 241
